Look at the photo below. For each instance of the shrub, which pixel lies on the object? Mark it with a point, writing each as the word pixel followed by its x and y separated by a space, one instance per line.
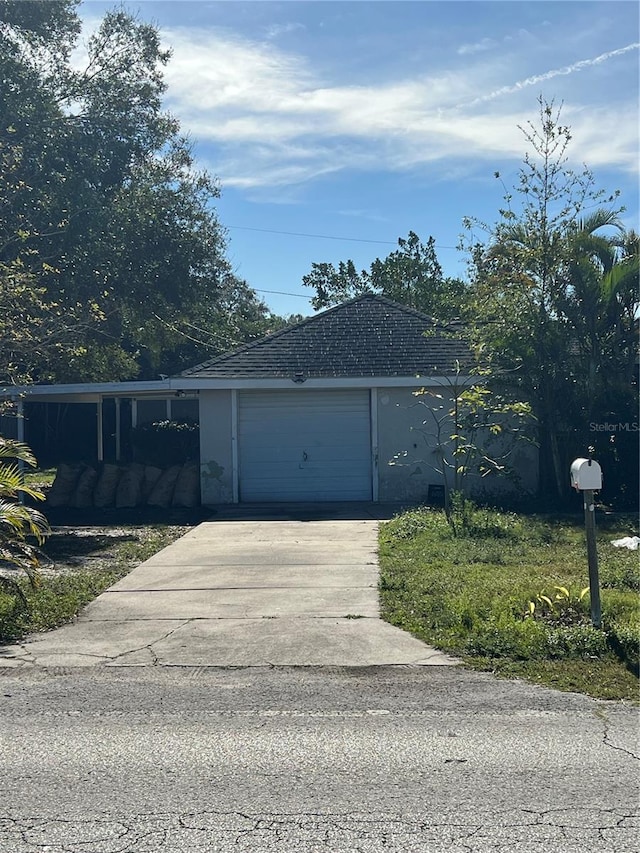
pixel 416 521
pixel 530 640
pixel 166 443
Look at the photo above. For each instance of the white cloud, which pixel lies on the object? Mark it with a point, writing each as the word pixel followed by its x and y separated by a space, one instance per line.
pixel 276 30
pixel 278 122
pixel 363 214
pixel 478 47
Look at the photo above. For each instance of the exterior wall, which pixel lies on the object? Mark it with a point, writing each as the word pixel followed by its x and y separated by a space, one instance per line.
pixel 406 440
pixel 216 454
pixel 407 429
pixel 405 445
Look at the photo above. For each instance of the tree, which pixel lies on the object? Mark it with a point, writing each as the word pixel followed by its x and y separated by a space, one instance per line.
pixel 410 275
pixel 31 328
pixel 469 433
pixel 102 207
pixel 602 313
pixel 533 285
pixel 18 521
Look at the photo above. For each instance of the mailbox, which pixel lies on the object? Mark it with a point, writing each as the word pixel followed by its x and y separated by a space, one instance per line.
pixel 586 474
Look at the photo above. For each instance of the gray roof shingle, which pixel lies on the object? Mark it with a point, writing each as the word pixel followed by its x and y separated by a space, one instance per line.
pixel 367 336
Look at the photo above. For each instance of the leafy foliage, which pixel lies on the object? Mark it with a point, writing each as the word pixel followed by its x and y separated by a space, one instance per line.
pixel 19 522
pixel 553 305
pixel 468 432
pixel 560 607
pixel 107 231
pixel 411 275
pixel 165 443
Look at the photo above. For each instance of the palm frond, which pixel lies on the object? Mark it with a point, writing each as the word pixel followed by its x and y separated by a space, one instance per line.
pixel 12 449
pixel 12 483
pixel 21 520
pixel 600 218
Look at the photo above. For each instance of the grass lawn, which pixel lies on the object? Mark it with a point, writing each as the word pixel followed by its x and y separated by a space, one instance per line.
pixel 39 477
pixel 86 561
pixel 471 596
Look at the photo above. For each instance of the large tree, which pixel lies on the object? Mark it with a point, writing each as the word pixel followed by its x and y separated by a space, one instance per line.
pixel 411 275
pixel 102 211
pixel 554 297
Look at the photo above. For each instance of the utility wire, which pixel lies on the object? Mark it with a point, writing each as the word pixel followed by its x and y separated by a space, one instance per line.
pixel 324 236
pixel 282 293
pixel 317 236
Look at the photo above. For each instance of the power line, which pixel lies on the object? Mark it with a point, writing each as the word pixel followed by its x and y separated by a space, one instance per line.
pixel 316 236
pixel 282 293
pixel 324 236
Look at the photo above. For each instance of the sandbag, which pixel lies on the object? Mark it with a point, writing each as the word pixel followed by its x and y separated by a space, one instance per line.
pixel 129 492
pixel 63 487
pixel 83 493
pixel 151 477
pixel 187 490
pixel 162 493
pixel 105 491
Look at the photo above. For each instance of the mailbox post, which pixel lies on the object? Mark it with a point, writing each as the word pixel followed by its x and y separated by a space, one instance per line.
pixel 586 477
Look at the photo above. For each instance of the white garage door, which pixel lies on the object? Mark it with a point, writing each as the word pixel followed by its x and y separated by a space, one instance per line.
pixel 304 446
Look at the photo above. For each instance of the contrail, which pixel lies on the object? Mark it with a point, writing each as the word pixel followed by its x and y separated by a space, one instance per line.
pixel 548 75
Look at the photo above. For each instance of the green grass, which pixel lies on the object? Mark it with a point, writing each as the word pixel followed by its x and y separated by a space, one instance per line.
pixel 39 477
pixel 470 596
pixel 58 598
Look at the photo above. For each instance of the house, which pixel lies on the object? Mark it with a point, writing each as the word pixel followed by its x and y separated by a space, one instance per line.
pixel 324 410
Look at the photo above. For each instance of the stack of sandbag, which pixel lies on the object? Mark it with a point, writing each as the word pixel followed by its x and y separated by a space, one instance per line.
pixel 125 486
pixel 187 489
pixel 151 477
pixel 63 487
pixel 129 492
pixel 162 493
pixel 83 492
pixel 105 491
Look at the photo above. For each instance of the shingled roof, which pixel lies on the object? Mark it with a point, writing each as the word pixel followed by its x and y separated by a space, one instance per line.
pixel 367 336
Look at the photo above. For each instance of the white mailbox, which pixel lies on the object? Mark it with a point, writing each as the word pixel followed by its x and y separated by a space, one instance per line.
pixel 586 474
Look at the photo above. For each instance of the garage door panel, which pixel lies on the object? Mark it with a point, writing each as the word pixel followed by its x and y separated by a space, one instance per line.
pixel 304 445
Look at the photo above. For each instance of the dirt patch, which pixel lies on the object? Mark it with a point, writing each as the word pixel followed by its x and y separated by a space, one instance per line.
pixel 70 549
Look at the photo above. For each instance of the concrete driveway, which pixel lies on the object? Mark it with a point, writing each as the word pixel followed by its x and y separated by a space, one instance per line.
pixel 255 587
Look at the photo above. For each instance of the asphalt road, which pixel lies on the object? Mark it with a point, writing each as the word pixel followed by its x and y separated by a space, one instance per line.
pixel 404 759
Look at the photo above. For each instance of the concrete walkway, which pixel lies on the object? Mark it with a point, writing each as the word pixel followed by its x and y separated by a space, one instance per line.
pixel 278 592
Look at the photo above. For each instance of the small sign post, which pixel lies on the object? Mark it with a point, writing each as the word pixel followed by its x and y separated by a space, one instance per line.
pixel 586 477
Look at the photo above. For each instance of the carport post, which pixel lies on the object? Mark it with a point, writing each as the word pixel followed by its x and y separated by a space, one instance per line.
pixel 20 423
pixel 117 429
pixel 100 430
pixel 20 436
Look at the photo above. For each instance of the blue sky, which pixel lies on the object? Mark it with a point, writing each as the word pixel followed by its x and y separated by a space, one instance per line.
pixel 364 120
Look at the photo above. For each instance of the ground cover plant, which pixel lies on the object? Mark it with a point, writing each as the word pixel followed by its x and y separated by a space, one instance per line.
pixel 78 564
pixel 507 594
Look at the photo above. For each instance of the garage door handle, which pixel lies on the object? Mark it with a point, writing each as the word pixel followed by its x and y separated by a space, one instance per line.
pixel 304 455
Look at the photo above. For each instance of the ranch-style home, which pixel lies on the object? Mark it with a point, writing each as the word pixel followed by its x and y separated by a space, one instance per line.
pixel 324 410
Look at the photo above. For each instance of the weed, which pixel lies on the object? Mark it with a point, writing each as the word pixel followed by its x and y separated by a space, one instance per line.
pixel 469 594
pixel 560 607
